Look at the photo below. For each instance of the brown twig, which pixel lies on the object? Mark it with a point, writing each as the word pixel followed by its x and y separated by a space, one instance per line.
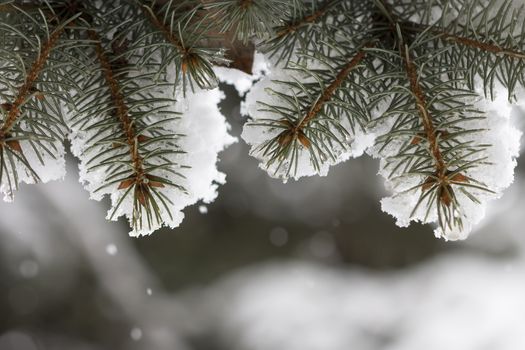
pixel 422 106
pixel 244 4
pixel 442 177
pixel 189 59
pixel 295 131
pixel 292 27
pixel 29 84
pixel 170 37
pixel 430 132
pixel 121 110
pixel 473 43
pixel 329 91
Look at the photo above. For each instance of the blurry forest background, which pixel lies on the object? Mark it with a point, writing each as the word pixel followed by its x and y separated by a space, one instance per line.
pixel 308 265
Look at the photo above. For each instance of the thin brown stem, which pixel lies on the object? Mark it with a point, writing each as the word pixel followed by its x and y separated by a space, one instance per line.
pixel 189 59
pixel 461 40
pixel 330 90
pixel 121 110
pixel 245 3
pixel 431 134
pixel 484 46
pixel 422 106
pixel 292 27
pixel 170 37
pixel 28 87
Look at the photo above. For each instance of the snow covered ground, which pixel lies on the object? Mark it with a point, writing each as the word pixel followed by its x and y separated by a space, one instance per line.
pixel 458 301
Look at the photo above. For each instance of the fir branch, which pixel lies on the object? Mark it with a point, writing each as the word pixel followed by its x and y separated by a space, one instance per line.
pixel 28 88
pixel 336 83
pixel 185 27
pixel 142 184
pixel 121 110
pixel 33 85
pixel 170 37
pixel 306 20
pixel 444 151
pixel 341 68
pixel 422 106
pixel 187 58
pixel 486 40
pixel 478 43
pixel 496 49
pixel 295 132
pixel 313 116
pixel 124 132
pixel 311 27
pixel 248 18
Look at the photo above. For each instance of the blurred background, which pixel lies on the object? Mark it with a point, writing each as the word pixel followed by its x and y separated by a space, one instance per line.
pixel 308 265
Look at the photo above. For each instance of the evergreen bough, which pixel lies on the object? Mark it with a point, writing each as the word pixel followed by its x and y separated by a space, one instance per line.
pixel 406 81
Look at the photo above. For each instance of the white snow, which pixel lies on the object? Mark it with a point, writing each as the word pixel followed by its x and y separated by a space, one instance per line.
pixel 135 333
pixel 203 209
pixel 53 168
pixel 47 167
pixel 28 268
pixel 241 80
pixel 455 302
pixel 496 173
pixel 111 249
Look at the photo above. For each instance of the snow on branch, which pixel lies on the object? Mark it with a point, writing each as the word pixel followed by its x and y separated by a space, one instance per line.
pixel 407 81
